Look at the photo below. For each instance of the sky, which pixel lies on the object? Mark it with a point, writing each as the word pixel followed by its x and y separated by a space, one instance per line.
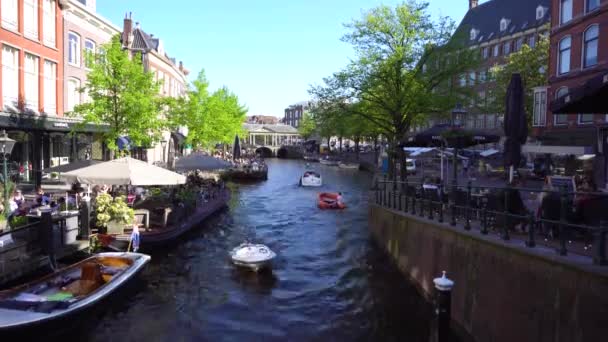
pixel 268 52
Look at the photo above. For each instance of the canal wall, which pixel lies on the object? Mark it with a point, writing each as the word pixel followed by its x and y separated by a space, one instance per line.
pixel 503 290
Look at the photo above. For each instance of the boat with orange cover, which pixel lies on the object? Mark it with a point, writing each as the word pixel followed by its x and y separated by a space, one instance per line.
pixel 329 200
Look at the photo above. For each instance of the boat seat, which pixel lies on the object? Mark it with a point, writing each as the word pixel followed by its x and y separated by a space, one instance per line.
pixel 91 278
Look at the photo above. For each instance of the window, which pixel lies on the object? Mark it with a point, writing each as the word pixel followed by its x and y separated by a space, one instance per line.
pixel 473 34
pixel 506 48
pixel 483 75
pixel 590 46
pixel 540 12
pixel 504 23
pixel 73 94
pixel 472 78
pixel 463 80
pixel 585 118
pixel 30 18
pixel 484 52
pixel 532 41
pixel 565 11
pixel 50 87
pixel 496 50
pixel 10 12
pixel 560 119
pixel 519 43
pixel 10 76
pixel 539 118
pixel 31 81
pixel 591 5
pixel 48 22
pixel 564 55
pixel 74 49
pixel 89 52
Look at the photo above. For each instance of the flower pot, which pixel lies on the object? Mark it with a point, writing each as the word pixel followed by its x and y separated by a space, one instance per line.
pixel 115 227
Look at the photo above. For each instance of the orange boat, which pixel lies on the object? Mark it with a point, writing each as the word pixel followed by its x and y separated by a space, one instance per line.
pixel 329 200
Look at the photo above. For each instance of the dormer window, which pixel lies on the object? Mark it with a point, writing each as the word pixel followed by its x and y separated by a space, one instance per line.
pixel 504 23
pixel 540 12
pixel 474 34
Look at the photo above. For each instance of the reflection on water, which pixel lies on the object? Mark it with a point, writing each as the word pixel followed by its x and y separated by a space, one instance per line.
pixel 328 282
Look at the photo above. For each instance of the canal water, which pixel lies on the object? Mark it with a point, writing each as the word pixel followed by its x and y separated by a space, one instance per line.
pixel 329 282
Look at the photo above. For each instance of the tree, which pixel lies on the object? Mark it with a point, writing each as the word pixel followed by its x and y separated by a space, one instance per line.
pixel 404 69
pixel 532 64
pixel 123 96
pixel 210 118
pixel 307 125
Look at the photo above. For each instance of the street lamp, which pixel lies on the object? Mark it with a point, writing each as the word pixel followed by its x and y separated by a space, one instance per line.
pixel 458 117
pixel 6 146
pixel 458 114
pixel 163 144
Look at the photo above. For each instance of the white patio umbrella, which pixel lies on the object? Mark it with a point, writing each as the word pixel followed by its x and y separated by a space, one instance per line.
pixel 124 171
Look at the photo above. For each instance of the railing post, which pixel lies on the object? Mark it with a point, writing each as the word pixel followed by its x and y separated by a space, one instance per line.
pixel 505 230
pixel 406 199
pixel 599 255
pixel 440 203
pixel 443 308
pixel 562 221
pixel 421 213
pixel 395 198
pixel 431 205
pixel 467 213
pixel 531 231
pixel 453 203
pixel 414 202
pixel 484 221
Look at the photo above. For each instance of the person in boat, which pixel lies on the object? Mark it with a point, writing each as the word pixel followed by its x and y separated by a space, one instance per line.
pixel 42 199
pixel 339 199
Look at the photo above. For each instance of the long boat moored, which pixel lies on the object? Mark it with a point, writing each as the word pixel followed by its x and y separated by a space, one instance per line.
pixel 68 291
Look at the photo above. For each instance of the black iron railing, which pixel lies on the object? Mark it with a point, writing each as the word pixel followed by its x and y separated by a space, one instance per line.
pixel 498 210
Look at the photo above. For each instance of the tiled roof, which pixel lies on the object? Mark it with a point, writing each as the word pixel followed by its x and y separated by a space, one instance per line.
pixel 520 16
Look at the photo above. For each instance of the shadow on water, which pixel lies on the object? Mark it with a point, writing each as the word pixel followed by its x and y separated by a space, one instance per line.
pixel 329 282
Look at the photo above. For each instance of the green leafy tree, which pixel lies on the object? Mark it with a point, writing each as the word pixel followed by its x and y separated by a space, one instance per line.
pixel 211 118
pixel 123 96
pixel 404 69
pixel 532 64
pixel 307 125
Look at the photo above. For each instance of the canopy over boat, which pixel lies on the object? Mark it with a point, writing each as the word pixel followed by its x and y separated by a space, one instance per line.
pixel 124 171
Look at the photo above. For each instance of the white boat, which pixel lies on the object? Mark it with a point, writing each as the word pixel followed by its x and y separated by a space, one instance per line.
pixel 330 162
pixel 311 178
pixel 352 166
pixel 253 256
pixel 68 292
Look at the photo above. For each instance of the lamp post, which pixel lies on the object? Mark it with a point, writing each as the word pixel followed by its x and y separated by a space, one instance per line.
pixel 163 145
pixel 6 145
pixel 458 114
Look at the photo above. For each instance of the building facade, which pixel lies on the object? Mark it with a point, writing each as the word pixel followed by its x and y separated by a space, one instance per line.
pixel 498 28
pixel 31 89
pixel 579 52
pixel 263 119
pixel 172 77
pixel 294 113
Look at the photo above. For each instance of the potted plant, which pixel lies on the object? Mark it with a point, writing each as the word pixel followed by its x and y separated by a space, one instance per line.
pixel 113 214
pixel 3 223
pixel 18 221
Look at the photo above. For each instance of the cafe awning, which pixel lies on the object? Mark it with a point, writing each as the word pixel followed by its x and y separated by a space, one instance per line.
pixel 589 98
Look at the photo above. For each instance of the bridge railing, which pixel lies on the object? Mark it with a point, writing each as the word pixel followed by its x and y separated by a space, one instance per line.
pixel 568 222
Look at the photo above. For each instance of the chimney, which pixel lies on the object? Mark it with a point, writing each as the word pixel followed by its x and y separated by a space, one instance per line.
pixel 181 66
pixel 473 3
pixel 126 30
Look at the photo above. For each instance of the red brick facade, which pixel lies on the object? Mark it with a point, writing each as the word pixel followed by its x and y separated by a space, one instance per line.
pixel 578 73
pixel 17 40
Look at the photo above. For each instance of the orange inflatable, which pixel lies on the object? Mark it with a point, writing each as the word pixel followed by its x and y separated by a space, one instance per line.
pixel 329 200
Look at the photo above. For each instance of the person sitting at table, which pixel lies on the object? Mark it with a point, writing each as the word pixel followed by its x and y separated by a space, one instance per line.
pixel 42 198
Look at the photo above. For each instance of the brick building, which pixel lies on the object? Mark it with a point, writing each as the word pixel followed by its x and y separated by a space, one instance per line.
pixel 294 113
pixel 31 89
pixel 498 28
pixel 579 54
pixel 172 77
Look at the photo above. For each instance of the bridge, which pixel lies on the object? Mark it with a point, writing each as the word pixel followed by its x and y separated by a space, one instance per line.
pixel 268 139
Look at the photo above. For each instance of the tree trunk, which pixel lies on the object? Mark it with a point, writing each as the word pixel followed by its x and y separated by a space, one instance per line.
pixel 357 147
pixel 403 161
pixel 328 144
pixel 376 150
pixel 340 144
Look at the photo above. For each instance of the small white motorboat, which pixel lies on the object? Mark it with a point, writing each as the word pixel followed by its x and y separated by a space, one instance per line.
pixel 311 178
pixel 328 161
pixel 350 166
pixel 253 256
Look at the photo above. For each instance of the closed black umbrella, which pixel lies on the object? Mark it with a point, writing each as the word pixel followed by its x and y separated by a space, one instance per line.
pixel 434 136
pixel 236 149
pixel 516 125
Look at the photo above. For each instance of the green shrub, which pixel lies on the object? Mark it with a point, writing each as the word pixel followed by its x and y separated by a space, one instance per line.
pixel 109 209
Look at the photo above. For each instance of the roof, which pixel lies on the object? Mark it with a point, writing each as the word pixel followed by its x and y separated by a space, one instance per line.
pixel 278 128
pixel 143 41
pixel 520 16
